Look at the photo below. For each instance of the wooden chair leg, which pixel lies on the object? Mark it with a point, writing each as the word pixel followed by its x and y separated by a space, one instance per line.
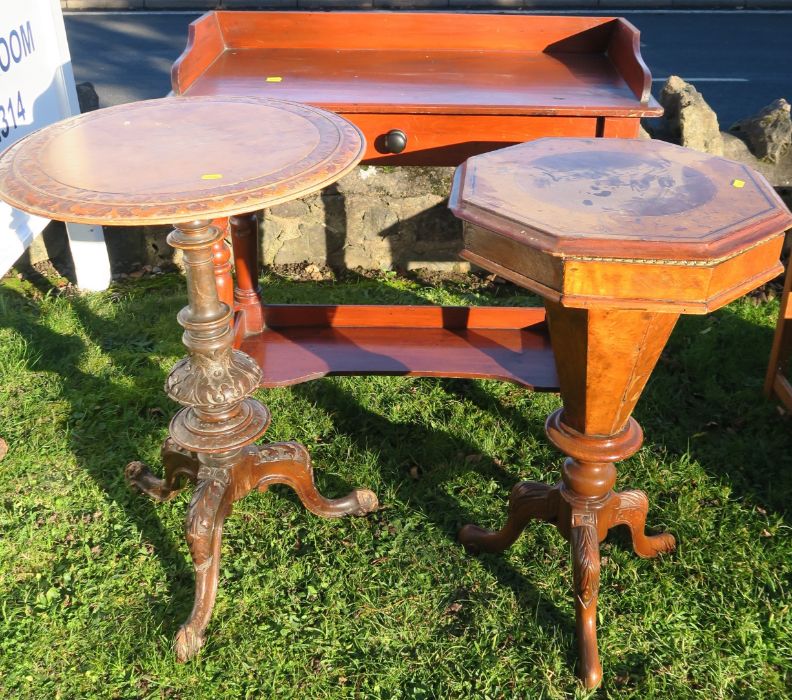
pixel 247 294
pixel 221 259
pixel 776 384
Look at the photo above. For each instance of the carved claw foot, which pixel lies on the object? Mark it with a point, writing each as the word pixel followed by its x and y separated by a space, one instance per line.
pixel 631 510
pixel 529 500
pixel 187 643
pixel 178 465
pixel 289 463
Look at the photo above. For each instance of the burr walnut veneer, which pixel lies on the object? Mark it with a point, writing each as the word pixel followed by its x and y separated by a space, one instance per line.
pixel 619 237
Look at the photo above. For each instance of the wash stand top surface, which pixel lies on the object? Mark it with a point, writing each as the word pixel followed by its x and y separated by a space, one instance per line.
pixel 452 84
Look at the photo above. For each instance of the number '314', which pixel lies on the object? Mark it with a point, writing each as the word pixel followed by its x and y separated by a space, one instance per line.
pixel 7 112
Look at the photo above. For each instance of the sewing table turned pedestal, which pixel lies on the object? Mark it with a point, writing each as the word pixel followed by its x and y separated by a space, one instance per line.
pixel 619 237
pixel 189 160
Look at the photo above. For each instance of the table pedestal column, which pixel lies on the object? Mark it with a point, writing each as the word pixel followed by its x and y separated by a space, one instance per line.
pixel 211 437
pixel 604 359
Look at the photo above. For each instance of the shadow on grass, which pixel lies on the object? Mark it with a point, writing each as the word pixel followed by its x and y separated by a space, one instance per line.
pixel 127 342
pixel 705 401
pixel 441 457
pixel 99 419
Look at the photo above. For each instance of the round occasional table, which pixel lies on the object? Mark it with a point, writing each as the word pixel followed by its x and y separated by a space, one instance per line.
pixel 186 161
pixel 619 237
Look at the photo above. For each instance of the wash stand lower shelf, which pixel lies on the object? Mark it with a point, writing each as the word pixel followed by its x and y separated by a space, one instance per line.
pixel 300 343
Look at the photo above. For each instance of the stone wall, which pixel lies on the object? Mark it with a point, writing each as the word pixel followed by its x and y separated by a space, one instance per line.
pixel 374 218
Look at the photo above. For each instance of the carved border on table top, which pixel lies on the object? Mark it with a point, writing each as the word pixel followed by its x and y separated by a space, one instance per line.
pixel 23 183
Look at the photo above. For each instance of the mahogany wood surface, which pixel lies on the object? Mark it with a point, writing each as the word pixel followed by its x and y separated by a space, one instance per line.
pixel 301 343
pixel 442 81
pixel 221 260
pixel 619 237
pixel 456 84
pixel 247 292
pixel 177 159
pixel 776 382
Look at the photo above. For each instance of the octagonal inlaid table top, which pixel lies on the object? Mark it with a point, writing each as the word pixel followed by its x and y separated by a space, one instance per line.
pixel 621 198
pixel 177 159
pixel 620 222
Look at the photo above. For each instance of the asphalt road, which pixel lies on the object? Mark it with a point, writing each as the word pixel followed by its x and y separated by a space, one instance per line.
pixel 739 60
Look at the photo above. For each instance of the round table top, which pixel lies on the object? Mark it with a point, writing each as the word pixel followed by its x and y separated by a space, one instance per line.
pixel 178 159
pixel 619 198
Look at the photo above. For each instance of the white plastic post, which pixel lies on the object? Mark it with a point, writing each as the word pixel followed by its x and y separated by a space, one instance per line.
pixel 89 252
pixel 37 89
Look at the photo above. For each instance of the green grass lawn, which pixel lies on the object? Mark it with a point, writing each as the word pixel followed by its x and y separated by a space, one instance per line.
pixel 95 580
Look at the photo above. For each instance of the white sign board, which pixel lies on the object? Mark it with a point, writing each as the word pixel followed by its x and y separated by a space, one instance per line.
pixel 37 89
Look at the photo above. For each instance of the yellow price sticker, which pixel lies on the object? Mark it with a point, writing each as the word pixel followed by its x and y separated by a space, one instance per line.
pixel 274 79
pixel 739 184
pixel 212 176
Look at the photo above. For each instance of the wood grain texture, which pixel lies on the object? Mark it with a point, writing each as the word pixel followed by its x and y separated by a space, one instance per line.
pixel 418 31
pixel 776 383
pixel 457 84
pixel 449 139
pixel 604 357
pixel 425 81
pixel 301 343
pixel 177 159
pixel 403 316
pixel 620 199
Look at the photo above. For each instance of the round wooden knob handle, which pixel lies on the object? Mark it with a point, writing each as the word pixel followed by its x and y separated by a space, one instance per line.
pixel 395 141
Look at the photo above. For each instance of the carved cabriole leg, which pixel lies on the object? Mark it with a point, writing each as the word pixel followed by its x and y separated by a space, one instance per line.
pixel 529 500
pixel 631 510
pixel 177 463
pixel 247 293
pixel 584 545
pixel 211 437
pixel 604 359
pixel 203 526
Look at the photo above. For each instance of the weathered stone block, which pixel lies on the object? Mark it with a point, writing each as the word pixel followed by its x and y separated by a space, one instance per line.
pixel 767 133
pixel 688 119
